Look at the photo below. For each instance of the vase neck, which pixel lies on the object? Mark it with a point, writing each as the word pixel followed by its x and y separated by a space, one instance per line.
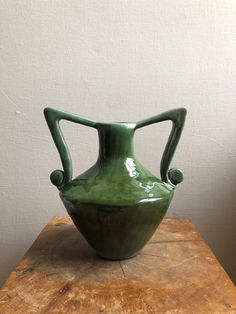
pixel 115 140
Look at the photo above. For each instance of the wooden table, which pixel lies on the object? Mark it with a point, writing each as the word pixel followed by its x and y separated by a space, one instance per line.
pixel 175 273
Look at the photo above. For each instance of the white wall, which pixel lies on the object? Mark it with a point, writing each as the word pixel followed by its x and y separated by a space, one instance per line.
pixel 118 60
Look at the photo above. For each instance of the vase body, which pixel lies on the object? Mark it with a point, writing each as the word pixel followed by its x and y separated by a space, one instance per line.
pixel 117 204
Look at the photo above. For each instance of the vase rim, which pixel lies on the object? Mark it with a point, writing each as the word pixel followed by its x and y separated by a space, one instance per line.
pixel 116 123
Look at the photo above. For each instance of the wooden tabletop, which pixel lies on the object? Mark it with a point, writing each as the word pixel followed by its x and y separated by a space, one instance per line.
pixel 175 273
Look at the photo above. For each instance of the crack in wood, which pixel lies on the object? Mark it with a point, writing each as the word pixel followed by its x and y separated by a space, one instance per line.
pixel 5 298
pixel 122 269
pixel 23 272
pixel 142 253
pixel 59 224
pixel 170 241
pixel 64 289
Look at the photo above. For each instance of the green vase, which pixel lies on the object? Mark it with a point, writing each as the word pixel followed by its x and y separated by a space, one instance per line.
pixel 116 204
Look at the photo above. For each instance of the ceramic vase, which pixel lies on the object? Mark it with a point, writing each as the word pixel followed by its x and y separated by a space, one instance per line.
pixel 116 204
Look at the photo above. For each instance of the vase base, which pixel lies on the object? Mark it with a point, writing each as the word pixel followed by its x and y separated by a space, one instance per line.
pixel 117 258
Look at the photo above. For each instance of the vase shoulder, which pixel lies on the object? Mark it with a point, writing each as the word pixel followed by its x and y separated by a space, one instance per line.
pixel 116 183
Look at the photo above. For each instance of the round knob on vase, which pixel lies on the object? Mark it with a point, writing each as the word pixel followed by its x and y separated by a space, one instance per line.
pixel 175 176
pixel 57 177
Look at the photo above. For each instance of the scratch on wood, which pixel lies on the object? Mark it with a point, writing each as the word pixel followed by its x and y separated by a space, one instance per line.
pixel 142 253
pixel 169 241
pixel 6 298
pixel 228 305
pixel 184 261
pixel 122 269
pixel 139 263
pixel 59 224
pixel 21 273
pixel 64 289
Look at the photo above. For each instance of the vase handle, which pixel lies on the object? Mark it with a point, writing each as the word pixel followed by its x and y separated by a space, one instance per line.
pixel 53 117
pixel 177 116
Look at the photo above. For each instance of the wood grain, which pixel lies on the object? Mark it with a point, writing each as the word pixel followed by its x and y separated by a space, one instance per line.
pixel 175 273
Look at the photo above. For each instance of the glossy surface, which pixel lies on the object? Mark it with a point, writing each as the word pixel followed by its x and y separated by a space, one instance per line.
pixel 117 204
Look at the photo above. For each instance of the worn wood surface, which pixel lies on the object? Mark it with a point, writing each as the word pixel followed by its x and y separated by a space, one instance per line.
pixel 175 273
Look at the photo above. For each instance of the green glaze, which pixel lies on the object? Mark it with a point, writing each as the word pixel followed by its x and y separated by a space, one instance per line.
pixel 117 204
